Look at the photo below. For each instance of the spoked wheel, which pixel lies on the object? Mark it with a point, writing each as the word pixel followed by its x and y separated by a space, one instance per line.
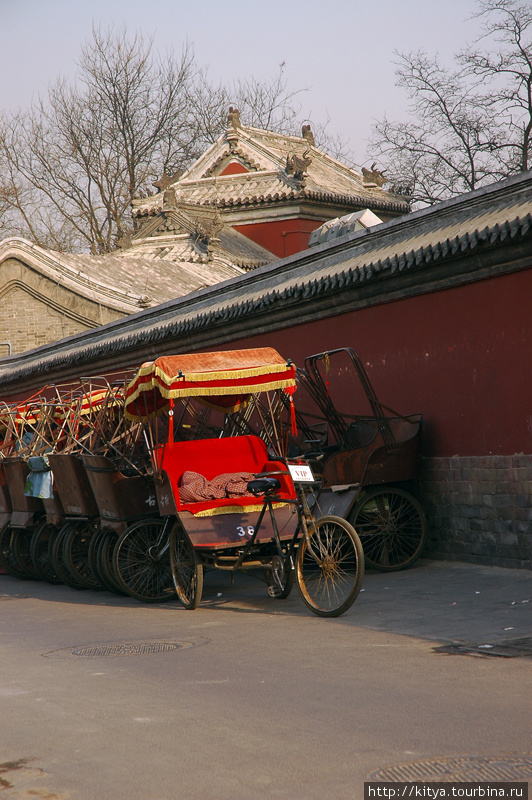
pixel 187 570
pixel 141 563
pixel 76 553
pixel 104 561
pixel 330 571
pixel 392 528
pixel 280 578
pixel 21 543
pixel 92 556
pixel 7 559
pixel 40 552
pixel 57 557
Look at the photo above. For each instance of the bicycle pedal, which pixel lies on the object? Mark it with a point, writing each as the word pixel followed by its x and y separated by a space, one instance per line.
pixel 273 591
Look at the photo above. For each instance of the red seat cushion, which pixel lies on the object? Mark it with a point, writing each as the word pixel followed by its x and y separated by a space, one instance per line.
pixel 213 457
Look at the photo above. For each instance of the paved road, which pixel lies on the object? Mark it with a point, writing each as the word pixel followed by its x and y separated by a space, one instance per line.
pixel 263 699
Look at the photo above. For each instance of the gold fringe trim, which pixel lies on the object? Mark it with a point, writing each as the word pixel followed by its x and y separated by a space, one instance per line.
pixel 143 417
pixel 226 409
pixel 196 377
pixel 214 512
pixel 201 391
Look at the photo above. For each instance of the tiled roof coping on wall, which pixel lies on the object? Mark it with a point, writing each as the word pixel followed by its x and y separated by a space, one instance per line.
pixel 490 220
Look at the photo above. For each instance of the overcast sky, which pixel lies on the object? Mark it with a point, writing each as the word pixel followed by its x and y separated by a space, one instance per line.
pixel 342 50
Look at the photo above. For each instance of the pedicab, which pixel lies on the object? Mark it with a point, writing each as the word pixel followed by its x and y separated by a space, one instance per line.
pixel 24 429
pixel 101 483
pixel 39 428
pixel 233 500
pixel 368 455
pixel 92 400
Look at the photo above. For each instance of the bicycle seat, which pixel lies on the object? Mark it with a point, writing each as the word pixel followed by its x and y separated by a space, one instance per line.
pixel 265 486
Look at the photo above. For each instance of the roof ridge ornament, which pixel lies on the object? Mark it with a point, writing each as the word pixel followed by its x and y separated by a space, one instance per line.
pixel 233 119
pixel 165 180
pixel 306 133
pixel 296 165
pixel 374 176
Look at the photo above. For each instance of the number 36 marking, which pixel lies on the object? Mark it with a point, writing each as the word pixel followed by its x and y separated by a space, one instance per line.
pixel 249 531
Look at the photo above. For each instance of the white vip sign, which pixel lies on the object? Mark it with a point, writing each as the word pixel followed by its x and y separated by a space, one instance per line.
pixel 301 473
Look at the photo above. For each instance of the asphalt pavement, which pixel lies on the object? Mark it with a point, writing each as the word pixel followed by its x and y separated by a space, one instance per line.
pixel 104 698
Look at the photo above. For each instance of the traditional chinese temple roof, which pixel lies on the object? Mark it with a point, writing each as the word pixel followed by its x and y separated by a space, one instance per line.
pixel 253 168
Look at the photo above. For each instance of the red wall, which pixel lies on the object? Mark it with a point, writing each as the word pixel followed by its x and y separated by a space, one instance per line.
pixel 461 356
pixel 283 238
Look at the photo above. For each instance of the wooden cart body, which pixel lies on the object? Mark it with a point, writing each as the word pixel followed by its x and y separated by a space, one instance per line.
pixel 120 499
pixel 24 509
pixel 5 500
pixel 73 485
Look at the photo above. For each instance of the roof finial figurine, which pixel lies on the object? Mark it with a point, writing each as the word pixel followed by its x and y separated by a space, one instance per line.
pixel 306 133
pixel 297 165
pixel 165 180
pixel 374 175
pixel 233 118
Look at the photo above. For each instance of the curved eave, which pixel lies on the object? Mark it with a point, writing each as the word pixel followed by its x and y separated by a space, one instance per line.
pixel 396 206
pixel 354 201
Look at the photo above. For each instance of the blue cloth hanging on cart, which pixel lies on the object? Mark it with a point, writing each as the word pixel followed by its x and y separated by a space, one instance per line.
pixel 39 482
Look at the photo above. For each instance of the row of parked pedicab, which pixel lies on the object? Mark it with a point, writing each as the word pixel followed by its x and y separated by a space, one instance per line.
pixel 198 462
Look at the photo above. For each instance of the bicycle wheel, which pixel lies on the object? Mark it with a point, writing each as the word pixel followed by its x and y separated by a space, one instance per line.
pixel 76 553
pixel 57 557
pixel 40 552
pixel 330 569
pixel 92 556
pixel 280 578
pixel 7 560
pixel 187 570
pixel 104 561
pixel 21 552
pixel 141 564
pixel 392 528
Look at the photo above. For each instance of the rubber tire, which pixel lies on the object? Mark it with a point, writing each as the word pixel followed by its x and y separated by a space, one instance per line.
pixel 104 561
pixel 324 584
pixel 92 556
pixel 21 544
pixel 58 561
pixel 138 572
pixel 7 560
pixel 187 570
pixel 392 527
pixel 40 552
pixel 76 553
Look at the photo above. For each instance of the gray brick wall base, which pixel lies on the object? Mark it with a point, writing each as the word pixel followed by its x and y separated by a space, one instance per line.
pixel 479 509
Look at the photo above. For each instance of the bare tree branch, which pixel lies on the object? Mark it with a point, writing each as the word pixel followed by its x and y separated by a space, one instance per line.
pixel 71 165
pixel 469 126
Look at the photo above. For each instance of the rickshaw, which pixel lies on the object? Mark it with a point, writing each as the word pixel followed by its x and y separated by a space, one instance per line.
pixel 49 517
pixel 368 455
pixel 24 428
pixel 99 480
pixel 33 429
pixel 40 428
pixel 232 500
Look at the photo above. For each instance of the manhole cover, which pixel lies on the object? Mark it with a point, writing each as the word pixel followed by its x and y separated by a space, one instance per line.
pixel 125 649
pixel 511 648
pixel 464 770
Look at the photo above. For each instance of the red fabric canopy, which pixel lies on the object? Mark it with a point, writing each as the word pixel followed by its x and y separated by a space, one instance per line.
pixel 224 379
